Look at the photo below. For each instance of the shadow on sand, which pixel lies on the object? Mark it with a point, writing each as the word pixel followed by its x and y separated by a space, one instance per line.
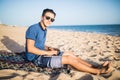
pixel 12 45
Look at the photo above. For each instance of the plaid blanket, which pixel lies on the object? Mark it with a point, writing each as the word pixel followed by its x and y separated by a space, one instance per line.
pixel 17 61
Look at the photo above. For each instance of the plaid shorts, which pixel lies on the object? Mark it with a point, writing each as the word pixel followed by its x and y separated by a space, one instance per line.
pixel 50 62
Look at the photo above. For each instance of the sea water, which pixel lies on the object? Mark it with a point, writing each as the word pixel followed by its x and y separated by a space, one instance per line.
pixel 113 30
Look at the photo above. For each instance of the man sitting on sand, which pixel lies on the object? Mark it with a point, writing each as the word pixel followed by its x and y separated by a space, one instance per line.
pixel 44 56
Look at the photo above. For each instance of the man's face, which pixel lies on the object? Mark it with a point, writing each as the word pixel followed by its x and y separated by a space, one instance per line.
pixel 48 18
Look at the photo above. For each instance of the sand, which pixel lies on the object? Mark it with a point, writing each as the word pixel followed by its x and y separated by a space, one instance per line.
pixel 92 47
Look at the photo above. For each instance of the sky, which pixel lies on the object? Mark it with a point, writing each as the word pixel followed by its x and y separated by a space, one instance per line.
pixel 69 12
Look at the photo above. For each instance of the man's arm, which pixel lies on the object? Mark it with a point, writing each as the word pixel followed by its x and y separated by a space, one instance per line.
pixel 32 49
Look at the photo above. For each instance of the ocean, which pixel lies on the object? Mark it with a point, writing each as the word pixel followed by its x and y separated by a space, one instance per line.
pixel 113 30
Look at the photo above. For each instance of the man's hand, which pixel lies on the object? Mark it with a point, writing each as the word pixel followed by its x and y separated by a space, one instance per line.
pixel 53 49
pixel 51 53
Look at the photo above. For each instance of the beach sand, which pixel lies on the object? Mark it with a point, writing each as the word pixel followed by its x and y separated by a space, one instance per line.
pixel 92 47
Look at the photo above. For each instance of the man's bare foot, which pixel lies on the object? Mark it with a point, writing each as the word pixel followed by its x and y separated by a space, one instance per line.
pixel 101 65
pixel 105 63
pixel 105 69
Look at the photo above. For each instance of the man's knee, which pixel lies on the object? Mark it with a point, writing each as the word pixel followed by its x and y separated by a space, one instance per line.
pixel 68 53
pixel 67 59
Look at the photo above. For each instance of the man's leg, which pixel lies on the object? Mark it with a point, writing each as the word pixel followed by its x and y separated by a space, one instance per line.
pixel 78 59
pixel 81 60
pixel 67 59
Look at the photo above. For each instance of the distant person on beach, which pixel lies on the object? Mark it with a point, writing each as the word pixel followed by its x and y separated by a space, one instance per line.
pixel 44 56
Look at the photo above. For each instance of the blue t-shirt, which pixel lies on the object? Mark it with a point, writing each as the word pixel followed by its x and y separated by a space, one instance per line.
pixel 36 33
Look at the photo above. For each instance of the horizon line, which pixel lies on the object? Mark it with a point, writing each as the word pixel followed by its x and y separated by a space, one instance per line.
pixel 61 25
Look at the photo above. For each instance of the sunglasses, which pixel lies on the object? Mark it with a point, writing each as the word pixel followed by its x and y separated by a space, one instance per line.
pixel 49 18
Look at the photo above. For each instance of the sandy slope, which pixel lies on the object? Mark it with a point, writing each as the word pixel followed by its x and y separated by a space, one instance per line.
pixel 94 48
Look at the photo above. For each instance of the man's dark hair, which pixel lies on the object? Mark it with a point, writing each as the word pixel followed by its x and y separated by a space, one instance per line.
pixel 48 10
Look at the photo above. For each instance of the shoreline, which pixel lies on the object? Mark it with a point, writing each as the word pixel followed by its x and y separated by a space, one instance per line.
pixel 91 47
pixel 116 35
pixel 113 30
pixel 102 33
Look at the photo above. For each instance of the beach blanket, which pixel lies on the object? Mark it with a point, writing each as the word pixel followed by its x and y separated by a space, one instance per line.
pixel 17 61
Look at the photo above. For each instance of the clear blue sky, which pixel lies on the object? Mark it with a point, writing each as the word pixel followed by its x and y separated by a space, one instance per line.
pixel 69 12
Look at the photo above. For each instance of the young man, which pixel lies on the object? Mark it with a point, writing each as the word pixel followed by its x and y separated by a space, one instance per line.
pixel 44 56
